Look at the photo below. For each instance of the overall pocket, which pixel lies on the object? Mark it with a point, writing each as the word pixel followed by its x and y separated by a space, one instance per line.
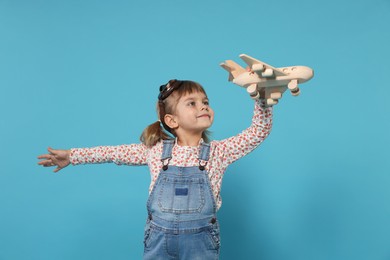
pixel 148 236
pixel 181 196
pixel 213 232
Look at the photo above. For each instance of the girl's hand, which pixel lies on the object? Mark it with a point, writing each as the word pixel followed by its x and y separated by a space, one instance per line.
pixel 59 158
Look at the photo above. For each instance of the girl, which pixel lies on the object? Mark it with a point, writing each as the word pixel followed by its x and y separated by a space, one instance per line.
pixel 186 171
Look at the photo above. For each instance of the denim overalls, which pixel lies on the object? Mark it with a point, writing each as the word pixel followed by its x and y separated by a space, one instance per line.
pixel 182 220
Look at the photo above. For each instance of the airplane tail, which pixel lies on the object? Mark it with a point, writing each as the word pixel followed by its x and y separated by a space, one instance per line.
pixel 233 68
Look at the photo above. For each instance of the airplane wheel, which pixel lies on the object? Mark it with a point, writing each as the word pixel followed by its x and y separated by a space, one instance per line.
pixel 276 95
pixel 292 85
pixel 252 89
pixel 271 102
pixel 296 92
pixel 267 73
pixel 257 67
pixel 255 97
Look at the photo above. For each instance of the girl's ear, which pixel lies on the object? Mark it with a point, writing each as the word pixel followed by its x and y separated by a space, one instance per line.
pixel 170 121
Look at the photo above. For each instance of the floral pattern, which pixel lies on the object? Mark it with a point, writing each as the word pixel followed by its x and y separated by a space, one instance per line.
pixel 222 153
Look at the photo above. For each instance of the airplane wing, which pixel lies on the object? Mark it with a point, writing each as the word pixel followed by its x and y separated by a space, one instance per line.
pixel 260 67
pixel 233 68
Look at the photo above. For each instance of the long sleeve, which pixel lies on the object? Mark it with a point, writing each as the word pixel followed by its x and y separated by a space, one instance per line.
pixel 132 154
pixel 233 148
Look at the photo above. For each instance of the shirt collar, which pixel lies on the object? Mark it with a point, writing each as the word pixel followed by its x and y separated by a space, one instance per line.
pixel 200 142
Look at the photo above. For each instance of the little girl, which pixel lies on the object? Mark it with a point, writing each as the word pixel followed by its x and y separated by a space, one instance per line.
pixel 186 170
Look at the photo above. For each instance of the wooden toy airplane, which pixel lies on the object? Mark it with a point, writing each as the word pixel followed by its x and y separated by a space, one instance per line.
pixel 264 81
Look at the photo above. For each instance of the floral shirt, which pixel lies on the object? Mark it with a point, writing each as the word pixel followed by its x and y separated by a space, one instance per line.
pixel 222 153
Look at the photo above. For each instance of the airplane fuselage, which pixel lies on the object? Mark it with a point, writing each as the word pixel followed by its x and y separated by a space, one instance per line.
pixel 299 73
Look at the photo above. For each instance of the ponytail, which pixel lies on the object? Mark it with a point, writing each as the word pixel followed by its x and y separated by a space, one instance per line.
pixel 153 133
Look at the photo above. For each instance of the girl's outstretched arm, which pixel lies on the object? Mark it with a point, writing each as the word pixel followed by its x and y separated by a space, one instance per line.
pixel 130 154
pixel 59 158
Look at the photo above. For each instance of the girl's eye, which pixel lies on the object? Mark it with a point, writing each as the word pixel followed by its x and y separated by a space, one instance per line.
pixel 206 103
pixel 192 103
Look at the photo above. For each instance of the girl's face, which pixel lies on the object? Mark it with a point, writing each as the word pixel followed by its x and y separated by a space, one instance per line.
pixel 192 114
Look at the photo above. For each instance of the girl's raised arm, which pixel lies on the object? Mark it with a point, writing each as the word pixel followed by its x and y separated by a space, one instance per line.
pixel 233 148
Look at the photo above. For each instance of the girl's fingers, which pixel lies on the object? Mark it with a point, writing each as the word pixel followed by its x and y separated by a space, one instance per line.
pixel 44 162
pixel 44 156
pixel 57 169
pixel 53 158
pixel 49 160
pixel 52 151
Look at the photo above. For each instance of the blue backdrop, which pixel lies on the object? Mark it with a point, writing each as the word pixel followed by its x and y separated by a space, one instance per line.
pixel 86 73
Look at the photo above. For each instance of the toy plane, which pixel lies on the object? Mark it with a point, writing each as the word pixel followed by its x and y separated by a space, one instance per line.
pixel 264 81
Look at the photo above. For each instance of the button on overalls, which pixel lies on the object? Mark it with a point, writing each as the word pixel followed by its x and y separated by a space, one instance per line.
pixel 182 220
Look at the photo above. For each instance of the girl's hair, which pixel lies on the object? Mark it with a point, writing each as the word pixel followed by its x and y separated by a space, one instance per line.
pixel 158 131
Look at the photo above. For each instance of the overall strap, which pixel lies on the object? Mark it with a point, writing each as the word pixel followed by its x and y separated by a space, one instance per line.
pixel 166 155
pixel 204 155
pixel 204 151
pixel 167 149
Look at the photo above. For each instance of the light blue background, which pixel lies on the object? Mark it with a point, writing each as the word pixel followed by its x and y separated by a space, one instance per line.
pixel 86 73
